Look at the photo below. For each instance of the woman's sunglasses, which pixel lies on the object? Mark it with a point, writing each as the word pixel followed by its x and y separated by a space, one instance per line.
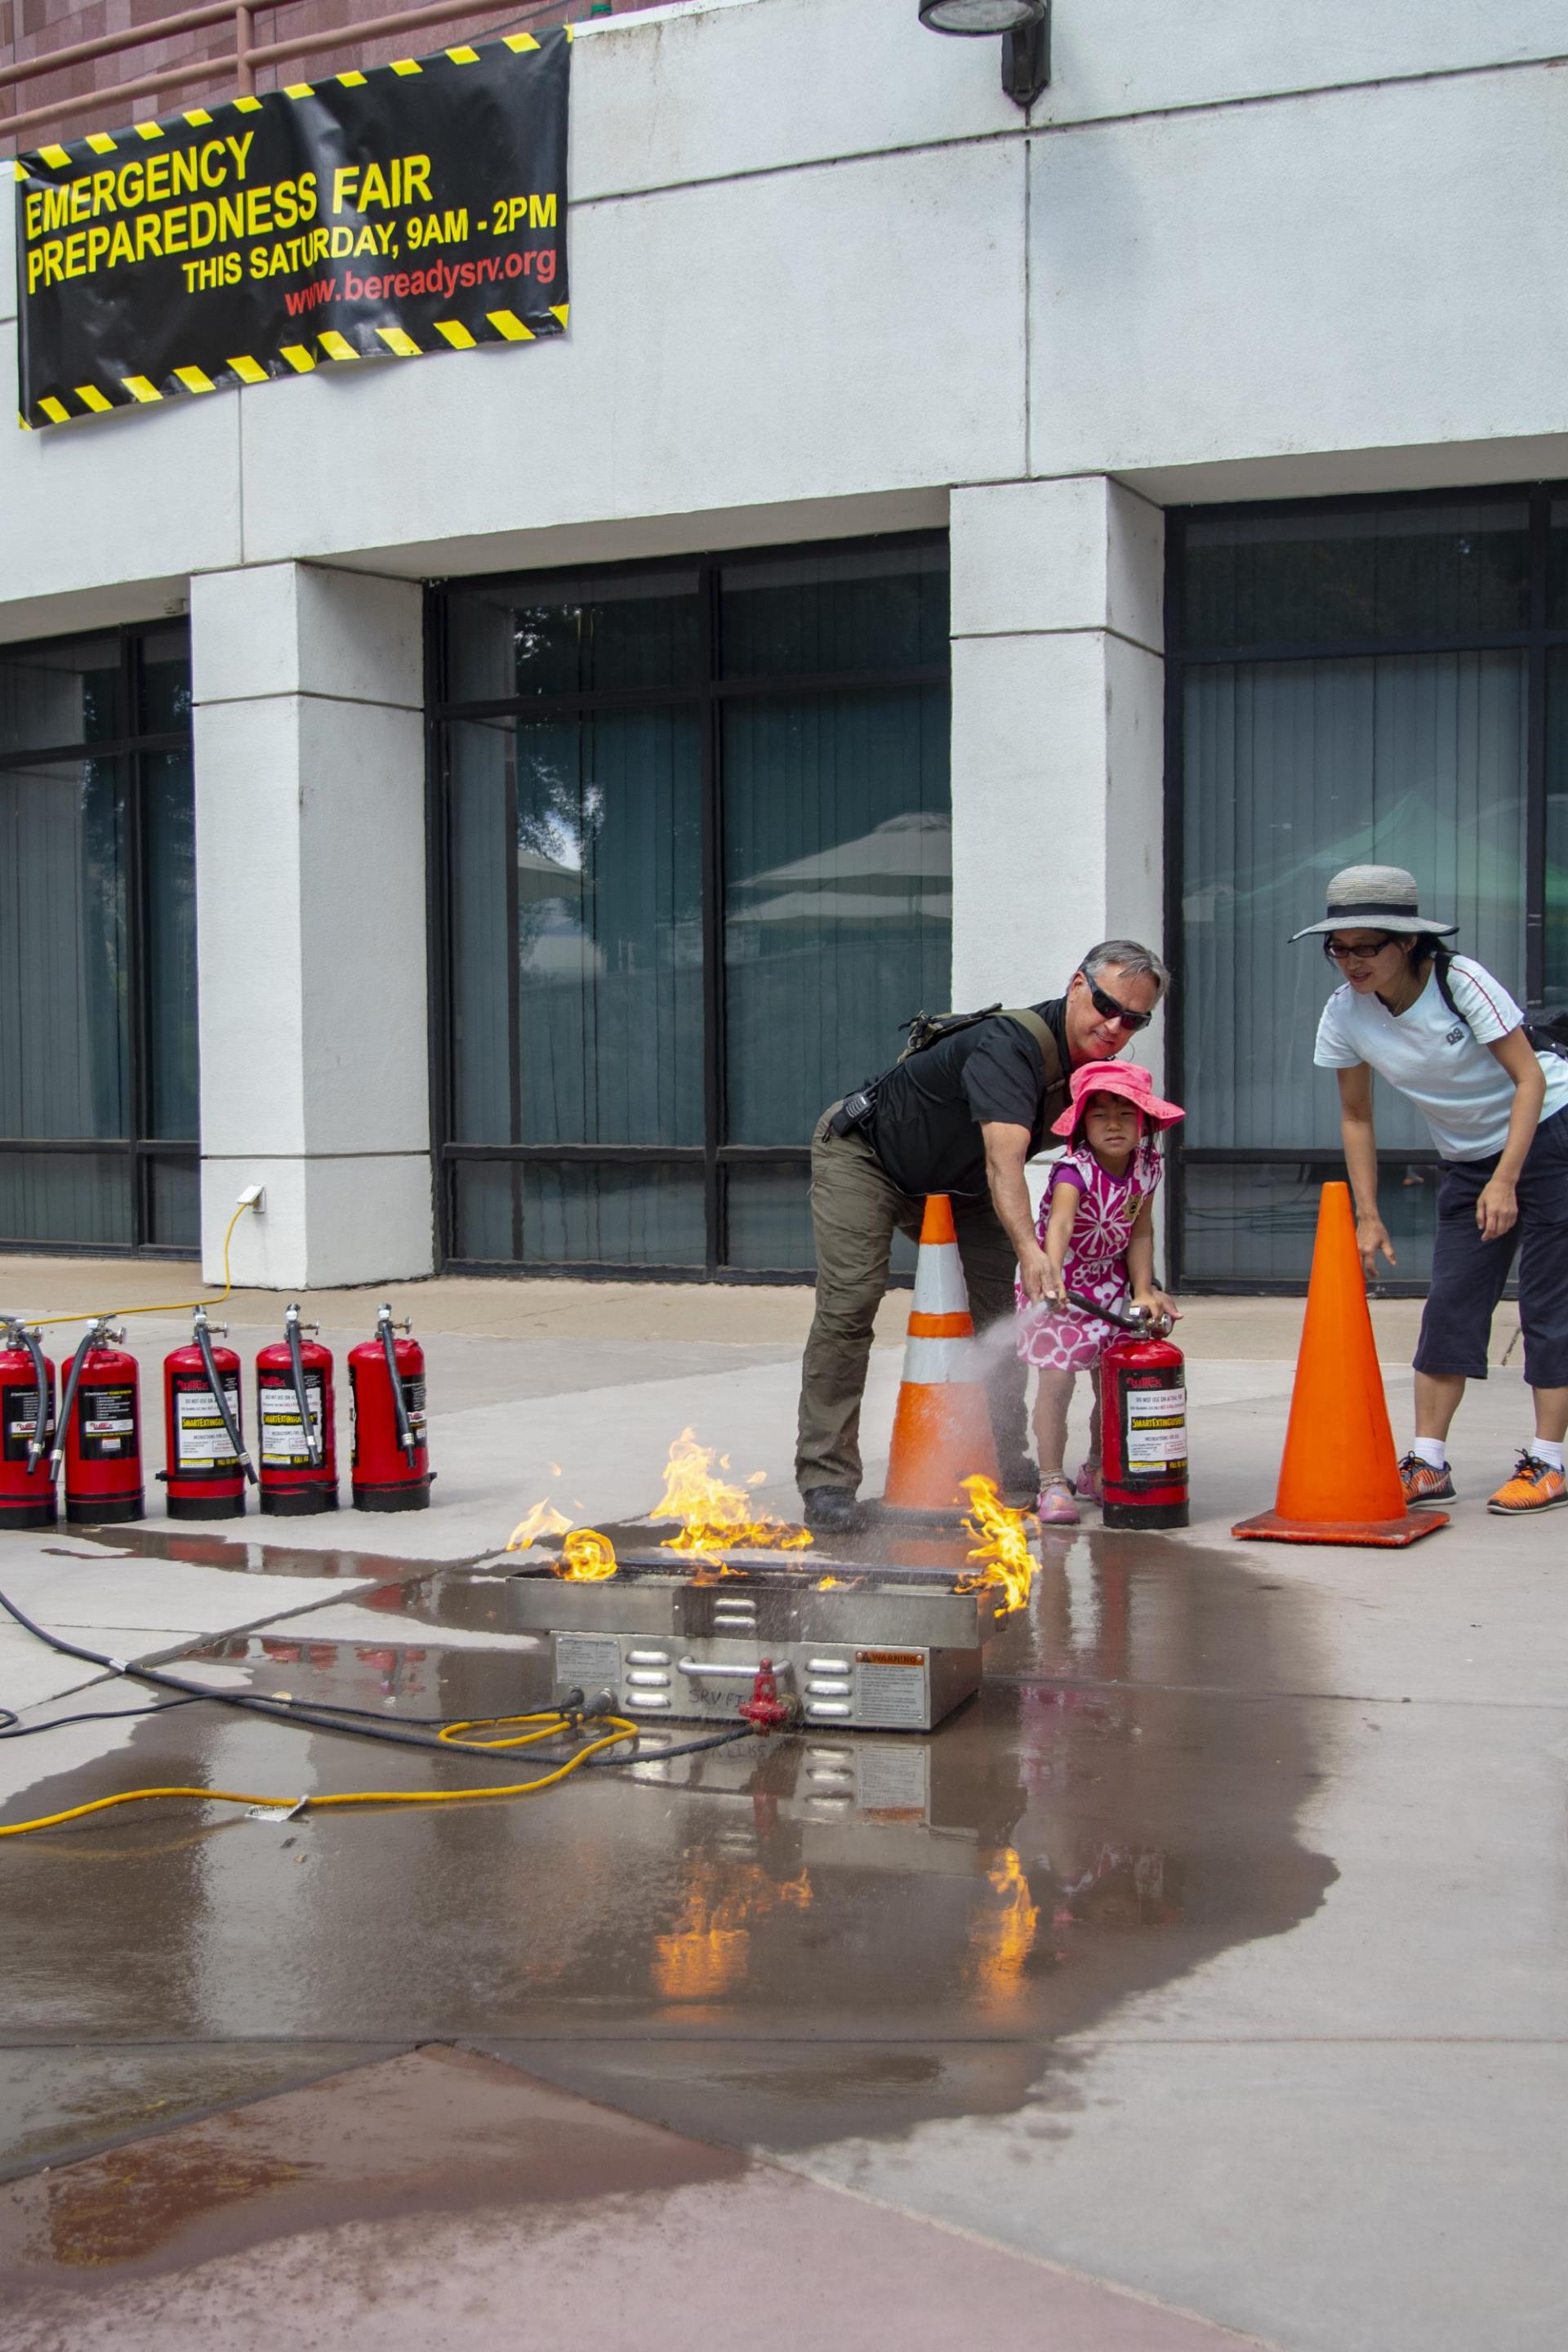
pixel 1109 1010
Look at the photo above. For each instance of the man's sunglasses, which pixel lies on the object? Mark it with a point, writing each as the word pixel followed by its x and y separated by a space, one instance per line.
pixel 1109 1010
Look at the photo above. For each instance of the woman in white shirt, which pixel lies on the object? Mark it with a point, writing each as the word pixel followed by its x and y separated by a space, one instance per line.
pixel 1448 1034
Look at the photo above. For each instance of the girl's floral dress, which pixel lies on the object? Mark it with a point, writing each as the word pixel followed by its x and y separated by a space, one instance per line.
pixel 1096 1262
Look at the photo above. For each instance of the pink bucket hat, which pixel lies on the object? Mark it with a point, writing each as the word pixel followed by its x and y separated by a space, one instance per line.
pixel 1116 1078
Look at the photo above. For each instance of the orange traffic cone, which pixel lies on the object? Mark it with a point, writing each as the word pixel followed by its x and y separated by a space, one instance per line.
pixel 1338 1481
pixel 942 1429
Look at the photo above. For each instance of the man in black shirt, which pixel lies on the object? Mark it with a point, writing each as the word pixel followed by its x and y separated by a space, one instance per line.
pixel 960 1116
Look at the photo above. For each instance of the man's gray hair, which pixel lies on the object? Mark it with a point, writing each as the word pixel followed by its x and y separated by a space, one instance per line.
pixel 1137 962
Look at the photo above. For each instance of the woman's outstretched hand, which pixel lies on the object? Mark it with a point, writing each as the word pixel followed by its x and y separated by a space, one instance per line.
pixel 1372 1236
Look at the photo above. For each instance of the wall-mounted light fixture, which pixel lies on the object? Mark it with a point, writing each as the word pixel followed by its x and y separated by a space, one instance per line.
pixel 1026 29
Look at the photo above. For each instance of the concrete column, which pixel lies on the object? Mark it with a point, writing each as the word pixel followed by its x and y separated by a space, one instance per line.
pixel 1058 733
pixel 311 911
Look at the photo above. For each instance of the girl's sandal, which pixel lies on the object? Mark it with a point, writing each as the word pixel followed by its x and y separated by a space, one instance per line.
pixel 1055 1508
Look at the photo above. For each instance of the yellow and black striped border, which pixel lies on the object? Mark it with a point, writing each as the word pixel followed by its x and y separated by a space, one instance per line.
pixel 332 349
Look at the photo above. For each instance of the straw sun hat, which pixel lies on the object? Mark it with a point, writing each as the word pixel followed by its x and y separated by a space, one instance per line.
pixel 1374 898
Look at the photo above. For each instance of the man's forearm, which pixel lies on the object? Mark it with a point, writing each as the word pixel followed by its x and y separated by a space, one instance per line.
pixel 1010 1198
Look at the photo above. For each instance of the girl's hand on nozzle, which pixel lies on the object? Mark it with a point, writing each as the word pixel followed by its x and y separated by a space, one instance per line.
pixel 1157 1303
pixel 1370 1236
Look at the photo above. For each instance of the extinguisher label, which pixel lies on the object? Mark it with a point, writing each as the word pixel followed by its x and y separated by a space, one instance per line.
pixel 283 1441
pixel 21 1412
pixel 201 1440
pixel 106 1423
pixel 1154 1432
pixel 413 1405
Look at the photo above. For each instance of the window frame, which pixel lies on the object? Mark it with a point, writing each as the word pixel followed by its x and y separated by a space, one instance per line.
pixel 708 696
pixel 1534 638
pixel 141 1150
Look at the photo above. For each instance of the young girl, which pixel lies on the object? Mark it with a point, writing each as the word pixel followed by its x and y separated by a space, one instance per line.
pixel 1096 1227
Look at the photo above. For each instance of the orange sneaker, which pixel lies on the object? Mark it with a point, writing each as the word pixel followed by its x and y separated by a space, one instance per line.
pixel 1535 1486
pixel 1422 1483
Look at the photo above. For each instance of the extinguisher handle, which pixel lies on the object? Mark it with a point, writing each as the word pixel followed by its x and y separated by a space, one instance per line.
pixel 1136 1320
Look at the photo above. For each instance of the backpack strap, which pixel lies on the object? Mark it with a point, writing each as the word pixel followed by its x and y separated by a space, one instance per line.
pixel 1441 960
pixel 1045 1038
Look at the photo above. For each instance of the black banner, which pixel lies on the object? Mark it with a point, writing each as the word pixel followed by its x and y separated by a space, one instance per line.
pixel 414 207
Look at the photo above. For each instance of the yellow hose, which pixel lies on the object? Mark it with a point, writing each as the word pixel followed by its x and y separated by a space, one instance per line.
pixel 166 1306
pixel 551 1725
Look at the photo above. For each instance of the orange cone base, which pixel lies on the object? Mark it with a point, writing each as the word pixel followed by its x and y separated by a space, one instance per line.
pixel 940 1434
pixel 1384 1535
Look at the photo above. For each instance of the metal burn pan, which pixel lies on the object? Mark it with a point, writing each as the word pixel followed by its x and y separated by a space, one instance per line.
pixel 876 1650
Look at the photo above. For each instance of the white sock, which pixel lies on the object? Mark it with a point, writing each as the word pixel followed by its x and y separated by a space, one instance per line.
pixel 1433 1451
pixel 1544 1450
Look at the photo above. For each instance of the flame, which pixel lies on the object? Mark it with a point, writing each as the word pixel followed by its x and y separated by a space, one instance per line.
pixel 587 1558
pixel 1005 1939
pixel 715 1515
pixel 708 1951
pixel 1003 1550
pixel 545 1519
pixel 829 1583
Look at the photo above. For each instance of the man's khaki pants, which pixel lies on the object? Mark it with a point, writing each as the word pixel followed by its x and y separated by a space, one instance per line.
pixel 854 1207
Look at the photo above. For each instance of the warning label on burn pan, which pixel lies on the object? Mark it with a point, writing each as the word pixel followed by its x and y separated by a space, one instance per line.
pixel 587 1661
pixel 890 1688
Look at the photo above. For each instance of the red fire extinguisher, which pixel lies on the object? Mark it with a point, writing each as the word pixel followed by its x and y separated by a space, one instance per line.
pixel 27 1429
pixel 295 1417
pixel 390 1465
pixel 207 1464
pixel 1142 1421
pixel 100 1432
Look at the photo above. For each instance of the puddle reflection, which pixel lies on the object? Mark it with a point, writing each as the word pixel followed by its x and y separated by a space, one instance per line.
pixel 1118 1804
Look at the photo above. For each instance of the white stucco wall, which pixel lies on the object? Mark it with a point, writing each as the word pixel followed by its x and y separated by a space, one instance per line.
pixel 827 278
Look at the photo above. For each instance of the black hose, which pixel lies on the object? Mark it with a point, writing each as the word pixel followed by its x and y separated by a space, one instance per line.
pixel 296 1366
pixel 12 1727
pixel 90 1339
pixel 405 1436
pixel 1143 1326
pixel 39 1439
pixel 220 1397
pixel 353 1723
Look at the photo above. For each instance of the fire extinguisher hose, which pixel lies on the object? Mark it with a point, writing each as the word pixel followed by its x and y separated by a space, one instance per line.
pixel 297 1367
pixel 405 1436
pixel 220 1395
pixel 516 1731
pixel 69 1398
pixel 39 1438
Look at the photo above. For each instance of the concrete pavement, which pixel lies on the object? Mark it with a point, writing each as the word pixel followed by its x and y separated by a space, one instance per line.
pixel 1215 1954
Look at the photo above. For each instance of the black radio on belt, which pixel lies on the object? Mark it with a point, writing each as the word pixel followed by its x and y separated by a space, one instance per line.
pixel 853 1111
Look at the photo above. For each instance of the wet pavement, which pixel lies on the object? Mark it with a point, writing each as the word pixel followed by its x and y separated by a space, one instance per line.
pixel 1102 1819
pixel 440 2199
pixel 1216 1949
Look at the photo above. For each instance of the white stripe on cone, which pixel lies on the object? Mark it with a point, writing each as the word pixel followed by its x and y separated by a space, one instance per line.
pixel 928 1363
pixel 939 1281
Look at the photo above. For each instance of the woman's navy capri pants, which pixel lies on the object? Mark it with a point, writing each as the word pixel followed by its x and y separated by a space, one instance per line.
pixel 1469 1272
